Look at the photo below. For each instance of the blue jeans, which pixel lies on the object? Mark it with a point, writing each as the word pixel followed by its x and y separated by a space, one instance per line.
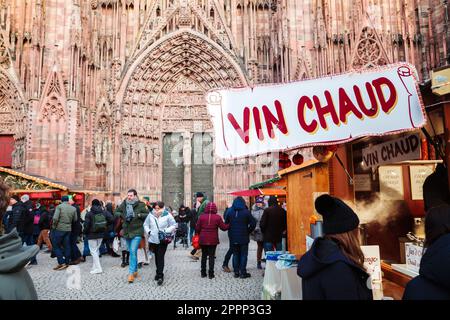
pixel 86 250
pixel 61 246
pixel 133 245
pixel 28 239
pixel 240 254
pixel 228 256
pixel 270 246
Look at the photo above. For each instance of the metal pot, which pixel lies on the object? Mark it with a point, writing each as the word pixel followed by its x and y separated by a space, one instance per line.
pixel 316 229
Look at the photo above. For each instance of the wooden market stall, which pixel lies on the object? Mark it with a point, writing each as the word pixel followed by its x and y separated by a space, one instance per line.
pixel 46 191
pixel 38 188
pixel 303 184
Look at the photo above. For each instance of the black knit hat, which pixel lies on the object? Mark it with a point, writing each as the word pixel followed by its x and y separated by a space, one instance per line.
pixel 199 194
pixel 96 202
pixel 15 197
pixel 337 216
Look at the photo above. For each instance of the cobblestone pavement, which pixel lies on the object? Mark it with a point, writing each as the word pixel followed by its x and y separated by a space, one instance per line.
pixel 182 279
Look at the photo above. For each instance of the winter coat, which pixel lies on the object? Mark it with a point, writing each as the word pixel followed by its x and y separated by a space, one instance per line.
pixel 27 219
pixel 257 213
pixel 134 228
pixel 208 228
pixel 111 224
pixel 241 222
pixel 65 216
pixel 193 220
pixel 153 225
pixel 44 221
pixel 184 216
pixel 273 224
pixel 197 212
pixel 433 281
pixel 89 219
pixel 329 275
pixel 77 226
pixel 15 217
pixel 15 282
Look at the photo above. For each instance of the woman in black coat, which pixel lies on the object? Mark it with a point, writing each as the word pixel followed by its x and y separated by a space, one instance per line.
pixel 433 281
pixel 333 269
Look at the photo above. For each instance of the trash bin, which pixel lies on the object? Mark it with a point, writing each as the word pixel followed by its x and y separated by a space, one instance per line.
pixel 272 277
pixel 291 285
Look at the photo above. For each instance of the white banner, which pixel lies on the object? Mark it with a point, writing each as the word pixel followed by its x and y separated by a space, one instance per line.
pixel 332 110
pixel 402 149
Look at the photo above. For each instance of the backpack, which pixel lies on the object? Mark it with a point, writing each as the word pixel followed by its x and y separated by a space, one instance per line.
pixel 99 223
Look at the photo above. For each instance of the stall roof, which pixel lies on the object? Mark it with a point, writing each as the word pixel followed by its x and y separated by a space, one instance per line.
pixel 295 168
pixel 259 192
pixel 265 182
pixel 35 178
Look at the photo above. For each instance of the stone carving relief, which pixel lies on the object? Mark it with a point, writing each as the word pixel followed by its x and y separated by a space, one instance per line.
pixel 18 154
pixel 6 119
pixel 53 108
pixel 4 57
pixel 369 51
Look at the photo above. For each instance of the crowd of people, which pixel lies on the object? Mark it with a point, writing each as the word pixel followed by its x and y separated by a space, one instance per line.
pixel 332 269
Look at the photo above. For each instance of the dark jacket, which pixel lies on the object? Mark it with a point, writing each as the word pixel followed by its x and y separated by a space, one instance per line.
pixel 208 228
pixel 77 225
pixel 15 282
pixel 241 222
pixel 44 220
pixel 135 227
pixel 273 224
pixel 184 215
pixel 328 275
pixel 26 221
pixel 88 222
pixel 433 282
pixel 109 209
pixel 193 220
pixel 15 217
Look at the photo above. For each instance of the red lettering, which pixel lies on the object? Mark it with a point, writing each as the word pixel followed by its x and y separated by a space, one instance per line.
pixel 346 106
pixel 305 101
pixel 272 120
pixel 328 109
pixel 244 134
pixel 386 104
pixel 258 126
pixel 373 101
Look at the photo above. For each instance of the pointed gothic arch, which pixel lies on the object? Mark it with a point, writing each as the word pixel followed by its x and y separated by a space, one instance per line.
pixel 13 106
pixel 183 65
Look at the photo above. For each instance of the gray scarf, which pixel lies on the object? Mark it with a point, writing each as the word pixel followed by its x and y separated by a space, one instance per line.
pixel 130 212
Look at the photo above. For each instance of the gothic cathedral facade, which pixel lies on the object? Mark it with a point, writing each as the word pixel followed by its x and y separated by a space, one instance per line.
pixel 105 94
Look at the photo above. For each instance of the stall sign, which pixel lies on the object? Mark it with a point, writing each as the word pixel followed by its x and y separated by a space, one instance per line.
pixel 391 182
pixel 418 174
pixel 413 256
pixel 402 149
pixel 372 263
pixel 331 110
pixel 362 182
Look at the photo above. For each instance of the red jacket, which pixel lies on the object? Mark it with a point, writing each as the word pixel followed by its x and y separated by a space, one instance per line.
pixel 207 227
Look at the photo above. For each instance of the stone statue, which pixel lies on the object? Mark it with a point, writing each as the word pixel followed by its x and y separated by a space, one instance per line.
pixel 125 152
pixel 106 148
pixel 98 145
pixel 141 152
pixel 156 154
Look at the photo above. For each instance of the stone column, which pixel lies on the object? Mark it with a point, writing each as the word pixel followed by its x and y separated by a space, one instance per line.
pixel 71 136
pixel 187 155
